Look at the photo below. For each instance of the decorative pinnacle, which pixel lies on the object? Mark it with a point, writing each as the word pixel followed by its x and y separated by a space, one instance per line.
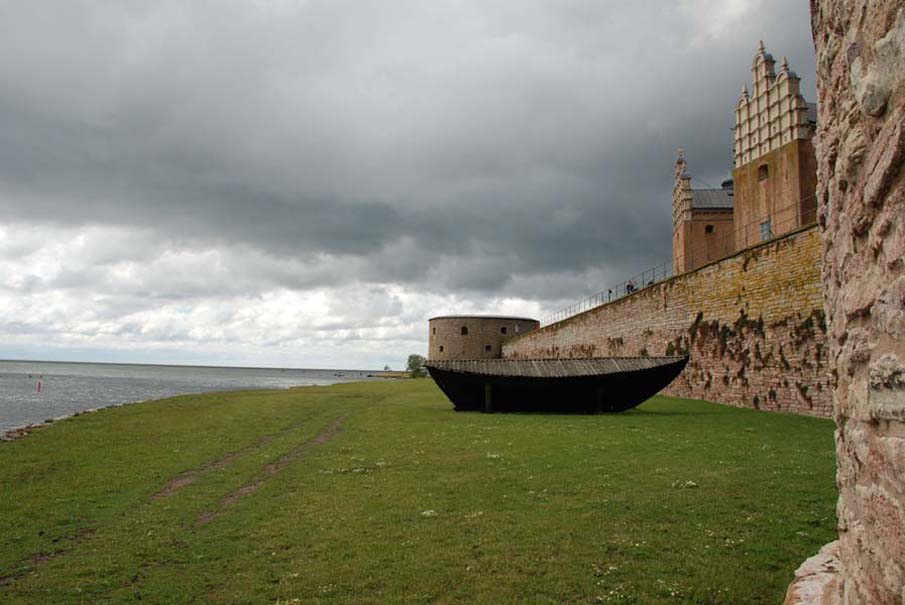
pixel 745 91
pixel 760 46
pixel 680 156
pixel 785 63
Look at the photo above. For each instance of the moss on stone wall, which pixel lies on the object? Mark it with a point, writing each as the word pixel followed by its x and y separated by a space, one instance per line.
pixel 753 325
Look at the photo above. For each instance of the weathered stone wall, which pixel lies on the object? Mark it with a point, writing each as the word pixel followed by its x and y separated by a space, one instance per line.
pixel 861 192
pixel 753 324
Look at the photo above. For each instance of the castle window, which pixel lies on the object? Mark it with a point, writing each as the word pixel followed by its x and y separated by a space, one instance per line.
pixel 435 330
pixel 503 330
pixel 708 229
pixel 441 348
pixel 487 347
pixel 464 330
pixel 763 171
pixel 766 230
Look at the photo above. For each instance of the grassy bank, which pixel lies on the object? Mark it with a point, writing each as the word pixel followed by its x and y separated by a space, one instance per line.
pixel 379 493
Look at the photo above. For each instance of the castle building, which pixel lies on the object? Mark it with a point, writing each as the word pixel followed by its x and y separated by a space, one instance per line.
pixel 773 184
pixel 702 221
pixel 775 174
pixel 457 337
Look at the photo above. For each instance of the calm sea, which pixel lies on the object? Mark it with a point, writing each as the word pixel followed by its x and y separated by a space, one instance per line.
pixel 66 388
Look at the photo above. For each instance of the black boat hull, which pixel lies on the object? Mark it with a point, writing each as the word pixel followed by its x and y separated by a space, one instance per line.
pixel 605 393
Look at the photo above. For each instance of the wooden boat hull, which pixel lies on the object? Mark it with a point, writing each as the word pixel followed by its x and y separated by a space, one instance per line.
pixel 613 391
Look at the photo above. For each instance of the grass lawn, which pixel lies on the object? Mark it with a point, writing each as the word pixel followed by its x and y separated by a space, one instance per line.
pixel 380 493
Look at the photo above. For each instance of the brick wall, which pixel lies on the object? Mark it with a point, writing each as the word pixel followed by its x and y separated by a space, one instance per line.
pixel 861 191
pixel 786 195
pixel 753 324
pixel 702 247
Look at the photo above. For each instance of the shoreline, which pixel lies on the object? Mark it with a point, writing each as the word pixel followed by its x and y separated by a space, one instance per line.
pixel 20 432
pixel 393 374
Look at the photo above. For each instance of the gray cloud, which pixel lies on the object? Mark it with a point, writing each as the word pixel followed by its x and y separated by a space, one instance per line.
pixel 465 150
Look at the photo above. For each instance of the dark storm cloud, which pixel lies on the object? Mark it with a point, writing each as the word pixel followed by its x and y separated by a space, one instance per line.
pixel 472 147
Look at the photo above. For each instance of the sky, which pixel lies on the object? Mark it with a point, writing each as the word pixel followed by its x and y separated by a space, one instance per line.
pixel 303 183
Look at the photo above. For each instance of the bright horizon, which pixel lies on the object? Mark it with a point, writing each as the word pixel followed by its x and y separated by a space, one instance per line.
pixel 181 365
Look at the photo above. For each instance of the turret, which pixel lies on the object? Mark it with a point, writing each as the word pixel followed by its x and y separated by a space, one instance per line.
pixel 681 191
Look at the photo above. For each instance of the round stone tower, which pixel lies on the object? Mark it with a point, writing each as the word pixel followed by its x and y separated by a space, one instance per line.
pixel 473 336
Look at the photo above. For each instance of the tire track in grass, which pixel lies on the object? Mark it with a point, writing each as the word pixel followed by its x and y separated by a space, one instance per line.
pixel 33 561
pixel 186 478
pixel 65 542
pixel 270 470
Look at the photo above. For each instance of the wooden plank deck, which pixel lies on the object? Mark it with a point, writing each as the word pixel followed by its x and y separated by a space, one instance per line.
pixel 552 368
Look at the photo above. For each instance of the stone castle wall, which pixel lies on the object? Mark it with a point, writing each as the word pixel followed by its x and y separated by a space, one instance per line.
pixel 861 192
pixel 753 324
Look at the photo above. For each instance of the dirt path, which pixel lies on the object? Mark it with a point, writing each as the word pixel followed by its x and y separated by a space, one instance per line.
pixel 323 436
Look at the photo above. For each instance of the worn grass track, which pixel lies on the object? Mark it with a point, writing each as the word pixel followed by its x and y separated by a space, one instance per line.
pixel 379 493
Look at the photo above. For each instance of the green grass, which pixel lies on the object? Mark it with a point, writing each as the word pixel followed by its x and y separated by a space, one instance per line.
pixel 675 502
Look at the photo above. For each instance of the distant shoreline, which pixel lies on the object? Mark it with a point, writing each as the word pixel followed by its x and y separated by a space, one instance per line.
pixel 389 374
pixel 39 393
pixel 20 432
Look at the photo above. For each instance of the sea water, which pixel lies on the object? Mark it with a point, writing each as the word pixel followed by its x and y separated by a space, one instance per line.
pixel 34 391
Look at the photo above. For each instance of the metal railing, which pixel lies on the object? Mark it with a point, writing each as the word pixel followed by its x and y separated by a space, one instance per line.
pixel 780 221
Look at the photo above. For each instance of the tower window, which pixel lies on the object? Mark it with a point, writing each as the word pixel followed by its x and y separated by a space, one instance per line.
pixel 487 347
pixel 763 171
pixel 441 348
pixel 464 330
pixel 708 229
pixel 766 230
pixel 503 330
pixel 434 331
